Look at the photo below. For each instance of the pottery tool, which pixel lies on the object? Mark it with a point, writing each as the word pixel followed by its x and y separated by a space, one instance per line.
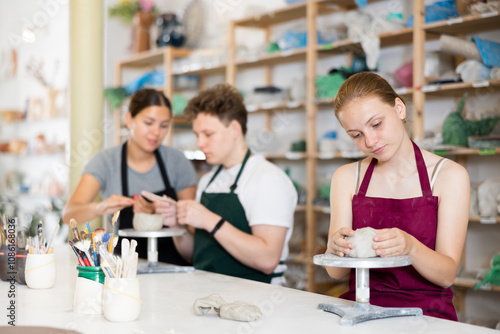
pixel 106 267
pixel 88 228
pixel 50 249
pixel 125 249
pixel 40 233
pixel 73 224
pixel 99 232
pixel 154 197
pixel 113 223
pixel 21 239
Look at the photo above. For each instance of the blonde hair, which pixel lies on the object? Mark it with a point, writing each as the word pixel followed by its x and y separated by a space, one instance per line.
pixel 361 85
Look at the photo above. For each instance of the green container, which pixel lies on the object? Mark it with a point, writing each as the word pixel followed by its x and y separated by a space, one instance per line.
pixel 91 273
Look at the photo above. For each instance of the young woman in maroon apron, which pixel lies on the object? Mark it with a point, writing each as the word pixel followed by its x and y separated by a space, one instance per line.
pixel 396 198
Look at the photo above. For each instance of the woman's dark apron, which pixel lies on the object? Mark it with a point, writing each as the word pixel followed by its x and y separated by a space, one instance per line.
pixel 166 248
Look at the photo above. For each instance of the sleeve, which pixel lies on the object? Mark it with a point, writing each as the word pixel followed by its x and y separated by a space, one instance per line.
pixel 98 168
pixel 272 201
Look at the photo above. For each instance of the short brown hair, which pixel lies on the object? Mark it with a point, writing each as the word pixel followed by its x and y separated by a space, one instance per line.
pixel 223 101
pixel 364 84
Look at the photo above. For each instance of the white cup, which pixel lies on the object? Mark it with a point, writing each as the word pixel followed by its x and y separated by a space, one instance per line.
pixel 40 271
pixel 88 296
pixel 121 301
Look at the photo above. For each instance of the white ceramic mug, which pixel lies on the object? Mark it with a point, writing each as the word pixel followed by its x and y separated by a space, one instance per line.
pixel 88 296
pixel 40 271
pixel 121 301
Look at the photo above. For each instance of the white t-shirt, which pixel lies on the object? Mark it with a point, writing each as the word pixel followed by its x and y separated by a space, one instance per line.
pixel 266 193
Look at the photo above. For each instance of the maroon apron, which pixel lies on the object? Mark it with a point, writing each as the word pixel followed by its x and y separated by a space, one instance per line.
pixel 402 286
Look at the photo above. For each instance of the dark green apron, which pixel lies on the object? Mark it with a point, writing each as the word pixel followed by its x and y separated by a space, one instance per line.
pixel 209 255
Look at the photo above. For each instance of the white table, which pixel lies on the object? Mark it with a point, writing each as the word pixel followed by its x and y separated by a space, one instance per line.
pixel 168 300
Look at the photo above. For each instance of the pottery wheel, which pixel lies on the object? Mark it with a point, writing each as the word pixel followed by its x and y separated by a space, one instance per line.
pixel 153 266
pixel 362 310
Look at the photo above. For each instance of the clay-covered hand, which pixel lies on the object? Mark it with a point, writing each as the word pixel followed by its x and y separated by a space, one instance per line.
pixel 190 212
pixel 393 242
pixel 165 208
pixel 112 204
pixel 141 205
pixel 338 245
pixel 363 242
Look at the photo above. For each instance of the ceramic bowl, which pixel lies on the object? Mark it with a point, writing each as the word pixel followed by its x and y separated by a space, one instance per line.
pixel 147 222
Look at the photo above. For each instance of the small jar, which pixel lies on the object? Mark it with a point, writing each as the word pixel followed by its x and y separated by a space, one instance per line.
pixel 170 31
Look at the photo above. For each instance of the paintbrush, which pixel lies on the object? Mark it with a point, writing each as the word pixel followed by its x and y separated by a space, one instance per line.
pixel 113 223
pixel 73 224
pixel 2 231
pixel 51 240
pixel 40 233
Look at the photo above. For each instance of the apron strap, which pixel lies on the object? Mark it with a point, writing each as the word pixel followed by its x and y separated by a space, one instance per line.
pixel 235 184
pixel 124 170
pixel 422 171
pixel 124 174
pixel 367 177
pixel 164 175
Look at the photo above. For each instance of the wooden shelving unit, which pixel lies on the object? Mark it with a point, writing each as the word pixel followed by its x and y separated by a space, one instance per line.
pixel 460 26
pixel 162 57
pixel 310 10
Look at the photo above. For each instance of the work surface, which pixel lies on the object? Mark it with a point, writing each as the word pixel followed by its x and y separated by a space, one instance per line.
pixel 168 300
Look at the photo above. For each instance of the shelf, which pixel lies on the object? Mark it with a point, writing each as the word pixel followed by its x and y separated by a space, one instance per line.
pixel 275 105
pixel 181 120
pixel 152 57
pixel 300 208
pixel 484 220
pixel 286 156
pixel 339 155
pixel 300 258
pixel 387 39
pixel 322 209
pixel 197 69
pixel 461 87
pixel 467 281
pixel 31 155
pixel 467 151
pixel 279 57
pixel 292 12
pixel 465 24
pixel 156 57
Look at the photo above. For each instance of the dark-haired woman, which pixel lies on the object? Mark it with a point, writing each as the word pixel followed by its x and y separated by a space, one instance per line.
pixel 120 173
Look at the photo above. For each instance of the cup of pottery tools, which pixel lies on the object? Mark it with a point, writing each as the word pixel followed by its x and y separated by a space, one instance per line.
pixel 21 256
pixel 121 301
pixel 88 290
pixel 40 271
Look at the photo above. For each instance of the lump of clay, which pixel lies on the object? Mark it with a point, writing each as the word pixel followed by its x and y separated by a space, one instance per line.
pixel 363 242
pixel 203 305
pixel 240 311
pixel 147 222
